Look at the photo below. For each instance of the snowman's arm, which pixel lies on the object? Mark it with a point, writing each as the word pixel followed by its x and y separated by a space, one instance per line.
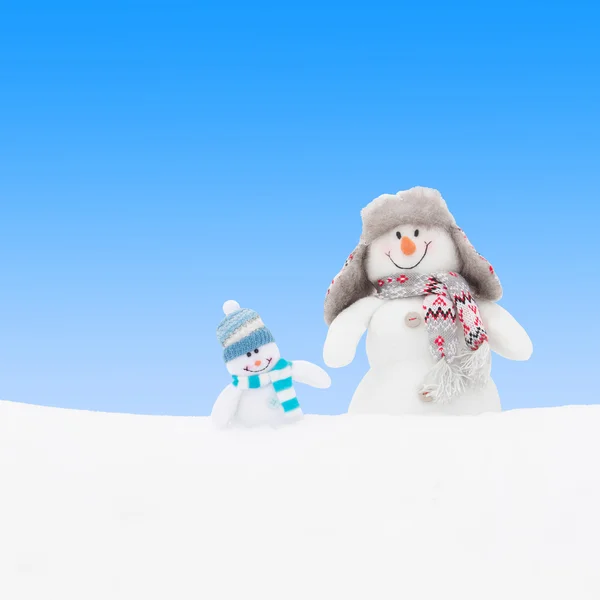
pixel 346 330
pixel 507 336
pixel 310 374
pixel 226 406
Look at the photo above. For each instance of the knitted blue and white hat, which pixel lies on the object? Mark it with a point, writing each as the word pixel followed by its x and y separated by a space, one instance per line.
pixel 241 331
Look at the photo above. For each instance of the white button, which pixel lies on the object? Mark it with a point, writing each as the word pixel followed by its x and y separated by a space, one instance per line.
pixel 413 319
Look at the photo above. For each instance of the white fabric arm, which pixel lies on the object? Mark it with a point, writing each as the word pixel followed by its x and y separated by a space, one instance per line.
pixel 346 330
pixel 226 406
pixel 507 336
pixel 310 374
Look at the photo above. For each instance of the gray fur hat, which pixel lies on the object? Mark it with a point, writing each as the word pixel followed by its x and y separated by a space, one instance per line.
pixel 419 206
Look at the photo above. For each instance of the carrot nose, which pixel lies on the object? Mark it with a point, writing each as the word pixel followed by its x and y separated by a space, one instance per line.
pixel 407 246
pixel 257 363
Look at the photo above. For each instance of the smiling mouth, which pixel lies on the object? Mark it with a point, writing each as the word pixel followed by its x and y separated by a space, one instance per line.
pixel 389 255
pixel 269 360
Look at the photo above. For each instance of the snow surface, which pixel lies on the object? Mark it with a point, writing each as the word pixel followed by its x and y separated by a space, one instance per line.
pixel 107 506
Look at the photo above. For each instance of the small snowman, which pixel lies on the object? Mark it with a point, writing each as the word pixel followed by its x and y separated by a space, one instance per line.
pixel 427 300
pixel 262 390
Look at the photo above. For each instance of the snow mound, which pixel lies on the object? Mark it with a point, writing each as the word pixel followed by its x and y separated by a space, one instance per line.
pixel 102 506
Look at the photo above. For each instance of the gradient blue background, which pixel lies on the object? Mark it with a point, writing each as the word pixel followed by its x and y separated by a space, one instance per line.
pixel 157 159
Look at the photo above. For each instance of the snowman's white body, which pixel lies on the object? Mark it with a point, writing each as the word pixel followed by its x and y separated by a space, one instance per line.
pixel 400 358
pixel 260 407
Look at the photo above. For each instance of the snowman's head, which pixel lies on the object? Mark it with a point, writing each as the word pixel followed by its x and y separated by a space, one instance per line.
pixel 248 346
pixel 411 248
pixel 409 232
pixel 256 361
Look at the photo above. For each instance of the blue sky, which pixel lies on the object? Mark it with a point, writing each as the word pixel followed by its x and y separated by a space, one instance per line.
pixel 157 159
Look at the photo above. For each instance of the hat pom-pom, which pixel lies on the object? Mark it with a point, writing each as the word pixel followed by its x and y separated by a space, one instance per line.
pixel 230 306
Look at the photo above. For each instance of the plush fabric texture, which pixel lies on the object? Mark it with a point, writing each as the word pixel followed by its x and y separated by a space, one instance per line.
pixel 281 379
pixel 421 206
pixel 450 310
pixel 242 331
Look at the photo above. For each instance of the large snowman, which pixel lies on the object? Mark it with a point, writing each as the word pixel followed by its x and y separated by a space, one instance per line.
pixel 427 301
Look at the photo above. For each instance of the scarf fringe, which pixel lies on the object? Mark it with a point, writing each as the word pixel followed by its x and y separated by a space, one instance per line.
pixel 442 383
pixel 447 379
pixel 476 365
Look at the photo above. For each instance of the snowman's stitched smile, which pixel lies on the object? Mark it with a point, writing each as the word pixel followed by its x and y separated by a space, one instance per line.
pixel 389 255
pixel 269 360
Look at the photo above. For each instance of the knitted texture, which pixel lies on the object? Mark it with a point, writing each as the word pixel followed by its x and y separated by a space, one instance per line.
pixel 281 379
pixel 255 339
pixel 449 307
pixel 242 331
pixel 235 321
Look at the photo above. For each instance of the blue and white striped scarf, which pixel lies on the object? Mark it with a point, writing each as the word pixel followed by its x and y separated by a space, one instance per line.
pixel 281 378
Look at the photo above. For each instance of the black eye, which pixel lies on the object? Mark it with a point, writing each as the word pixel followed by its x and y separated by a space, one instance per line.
pixel 248 354
pixel 416 233
pixel 398 234
pixel 255 350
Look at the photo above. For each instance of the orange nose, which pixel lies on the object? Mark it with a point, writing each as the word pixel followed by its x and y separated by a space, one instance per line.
pixel 407 246
pixel 257 363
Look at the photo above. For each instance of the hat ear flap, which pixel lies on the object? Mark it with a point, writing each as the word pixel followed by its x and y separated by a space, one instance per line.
pixel 478 272
pixel 349 285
